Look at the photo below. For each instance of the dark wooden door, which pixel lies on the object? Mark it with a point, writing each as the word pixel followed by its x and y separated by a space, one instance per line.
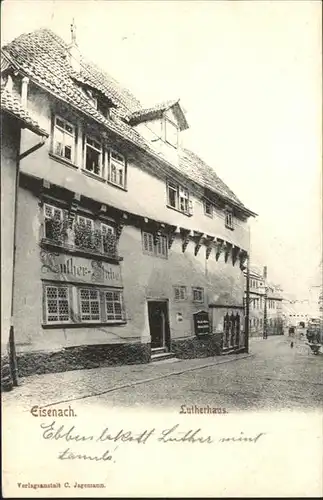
pixel 158 323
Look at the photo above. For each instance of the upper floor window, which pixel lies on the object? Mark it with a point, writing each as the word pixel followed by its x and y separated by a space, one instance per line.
pixel 117 169
pixel 178 197
pixel 157 247
pixel 84 232
pixel 228 218
pixel 171 133
pixel 53 223
pixel 108 238
pixel 208 209
pixel 93 156
pixel 64 139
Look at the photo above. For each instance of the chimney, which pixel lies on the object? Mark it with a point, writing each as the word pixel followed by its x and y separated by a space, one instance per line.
pixel 73 50
pixel 24 91
pixel 265 272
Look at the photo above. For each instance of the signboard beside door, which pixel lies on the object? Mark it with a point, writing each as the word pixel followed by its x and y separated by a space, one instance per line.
pixel 201 323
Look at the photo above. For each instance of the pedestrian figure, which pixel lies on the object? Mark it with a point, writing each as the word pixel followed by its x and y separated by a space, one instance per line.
pixel 292 344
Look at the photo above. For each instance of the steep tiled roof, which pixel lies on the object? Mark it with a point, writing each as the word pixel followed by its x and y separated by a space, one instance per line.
pixel 157 111
pixel 142 114
pixel 42 55
pixel 195 168
pixel 11 105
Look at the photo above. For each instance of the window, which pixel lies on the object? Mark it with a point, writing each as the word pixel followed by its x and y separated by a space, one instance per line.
pixel 117 169
pixel 260 321
pixel 89 304
pixel 78 304
pixel 180 292
pixel 64 139
pixel 57 304
pixel 114 305
pixel 178 197
pixel 161 246
pixel 53 223
pixel 171 133
pixel 228 218
pixel 84 232
pixel 93 156
pixel 157 248
pixel 85 222
pixel 198 294
pixel 208 209
pixel 108 239
pixel 102 107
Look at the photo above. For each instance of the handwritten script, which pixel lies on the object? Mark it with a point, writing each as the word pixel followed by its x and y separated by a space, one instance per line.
pixel 69 435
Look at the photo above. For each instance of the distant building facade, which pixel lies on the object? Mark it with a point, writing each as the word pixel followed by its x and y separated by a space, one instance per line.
pixel 265 305
pixel 129 245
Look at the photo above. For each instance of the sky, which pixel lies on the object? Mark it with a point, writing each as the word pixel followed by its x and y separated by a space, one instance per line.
pixel 249 77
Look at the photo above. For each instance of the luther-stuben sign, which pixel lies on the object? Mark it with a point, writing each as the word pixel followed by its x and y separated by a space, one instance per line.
pixel 61 267
pixel 201 322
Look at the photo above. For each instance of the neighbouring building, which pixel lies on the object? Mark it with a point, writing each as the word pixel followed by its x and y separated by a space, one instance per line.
pixel 265 305
pixel 128 244
pixel 14 119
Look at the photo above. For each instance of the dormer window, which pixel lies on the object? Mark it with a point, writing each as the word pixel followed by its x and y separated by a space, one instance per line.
pixel 102 107
pixel 171 133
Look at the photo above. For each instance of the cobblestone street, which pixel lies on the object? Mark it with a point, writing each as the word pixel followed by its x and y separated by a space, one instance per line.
pixel 275 376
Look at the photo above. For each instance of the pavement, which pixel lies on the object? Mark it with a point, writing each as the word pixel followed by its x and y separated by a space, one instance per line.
pixel 52 388
pixel 272 376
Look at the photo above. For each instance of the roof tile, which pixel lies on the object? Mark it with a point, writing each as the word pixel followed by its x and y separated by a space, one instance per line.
pixel 12 105
pixel 42 55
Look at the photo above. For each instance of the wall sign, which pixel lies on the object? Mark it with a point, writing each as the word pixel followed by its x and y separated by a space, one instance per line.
pixel 60 267
pixel 201 322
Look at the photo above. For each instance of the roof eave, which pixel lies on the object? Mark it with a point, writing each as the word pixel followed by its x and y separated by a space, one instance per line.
pixel 245 210
pixel 24 124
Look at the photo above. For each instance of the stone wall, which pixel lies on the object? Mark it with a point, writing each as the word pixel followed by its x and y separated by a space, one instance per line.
pixel 81 357
pixel 197 347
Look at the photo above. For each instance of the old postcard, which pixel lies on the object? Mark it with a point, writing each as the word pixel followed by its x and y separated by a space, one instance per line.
pixel 161 249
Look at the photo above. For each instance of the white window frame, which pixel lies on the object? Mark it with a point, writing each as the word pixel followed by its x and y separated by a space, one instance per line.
pixel 53 209
pixel 45 302
pixel 64 131
pixel 79 218
pixel 181 193
pixel 119 165
pixel 98 150
pixel 182 293
pixel 89 289
pixel 228 214
pixel 120 301
pixel 200 290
